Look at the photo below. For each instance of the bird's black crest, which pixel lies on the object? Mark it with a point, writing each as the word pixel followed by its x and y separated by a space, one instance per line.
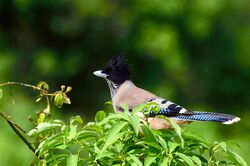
pixel 117 69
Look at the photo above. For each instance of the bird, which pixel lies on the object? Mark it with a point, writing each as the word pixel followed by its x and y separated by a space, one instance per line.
pixel 123 91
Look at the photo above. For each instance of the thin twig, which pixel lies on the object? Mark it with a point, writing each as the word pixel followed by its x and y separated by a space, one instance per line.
pixel 18 130
pixel 28 86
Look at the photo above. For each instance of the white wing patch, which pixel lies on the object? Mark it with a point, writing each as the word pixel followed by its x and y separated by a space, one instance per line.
pixel 168 104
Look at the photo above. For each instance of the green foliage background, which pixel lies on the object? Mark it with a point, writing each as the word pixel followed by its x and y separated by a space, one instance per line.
pixel 195 53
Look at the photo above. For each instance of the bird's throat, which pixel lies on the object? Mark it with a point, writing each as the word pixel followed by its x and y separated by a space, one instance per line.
pixel 112 88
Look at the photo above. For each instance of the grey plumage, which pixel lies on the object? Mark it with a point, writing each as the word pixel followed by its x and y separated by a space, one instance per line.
pixel 124 91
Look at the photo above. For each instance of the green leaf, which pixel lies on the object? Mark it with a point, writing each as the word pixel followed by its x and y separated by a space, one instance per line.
pixel 53 141
pixel 162 141
pixel 114 131
pixel 237 158
pixel 108 102
pixel 113 135
pixel 87 135
pixel 116 116
pixel 76 119
pixel 149 160
pixel 172 146
pixel 41 118
pixel 125 107
pixel 196 160
pixel 138 108
pixel 119 147
pixel 153 144
pixel 100 115
pixel 56 157
pixel 72 160
pixel 109 143
pixel 148 133
pixel 42 163
pixel 73 127
pixel 72 132
pixel 185 158
pixel 136 160
pixel 177 129
pixel 1 93
pixel 135 122
pixel 223 145
pixel 196 138
pixel 43 127
pixel 164 162
pixel 151 106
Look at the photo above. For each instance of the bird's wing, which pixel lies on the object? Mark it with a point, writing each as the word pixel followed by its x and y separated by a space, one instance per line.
pixel 180 114
pixel 167 108
pixel 132 96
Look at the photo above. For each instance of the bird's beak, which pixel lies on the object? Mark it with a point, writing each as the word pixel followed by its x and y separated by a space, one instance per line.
pixel 100 74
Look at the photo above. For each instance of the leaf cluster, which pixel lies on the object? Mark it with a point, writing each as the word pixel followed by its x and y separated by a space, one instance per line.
pixel 116 139
pixel 123 139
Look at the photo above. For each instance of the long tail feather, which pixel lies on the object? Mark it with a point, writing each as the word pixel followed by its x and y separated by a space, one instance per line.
pixel 198 116
pixel 208 116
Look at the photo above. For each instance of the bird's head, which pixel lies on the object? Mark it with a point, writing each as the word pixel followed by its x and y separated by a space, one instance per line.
pixel 116 70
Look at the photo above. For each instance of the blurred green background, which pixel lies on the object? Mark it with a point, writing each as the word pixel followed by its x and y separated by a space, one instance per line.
pixel 195 53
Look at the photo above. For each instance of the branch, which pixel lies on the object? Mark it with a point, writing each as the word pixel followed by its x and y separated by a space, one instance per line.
pixel 18 130
pixel 28 86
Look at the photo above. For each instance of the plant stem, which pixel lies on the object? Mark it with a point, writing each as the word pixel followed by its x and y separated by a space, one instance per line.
pixel 28 86
pixel 18 130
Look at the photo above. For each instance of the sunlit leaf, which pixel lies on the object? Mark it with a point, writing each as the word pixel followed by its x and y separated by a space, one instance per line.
pixel 195 137
pixel 172 146
pixel 43 127
pixel 196 160
pixel 136 160
pixel 185 158
pixel 162 141
pixel 114 131
pixel 177 129
pixel 41 118
pixel 1 93
pixel 138 108
pixel 56 157
pixel 125 107
pixel 113 135
pixel 108 102
pixel 42 162
pixel 135 122
pixel 76 119
pixel 223 145
pixel 149 160
pixel 164 162
pixel 72 132
pixel 100 115
pixel 148 133
pixel 238 158
pixel 49 143
pixel 72 160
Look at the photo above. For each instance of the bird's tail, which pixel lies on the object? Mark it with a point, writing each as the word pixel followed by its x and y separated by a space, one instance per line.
pixel 208 116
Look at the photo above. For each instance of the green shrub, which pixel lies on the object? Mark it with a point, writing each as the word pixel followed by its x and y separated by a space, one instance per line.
pixel 116 139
